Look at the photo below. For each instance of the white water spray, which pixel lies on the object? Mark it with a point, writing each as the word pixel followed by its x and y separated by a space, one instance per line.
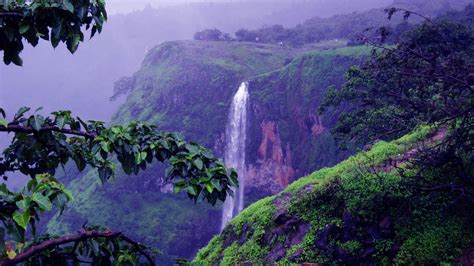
pixel 235 150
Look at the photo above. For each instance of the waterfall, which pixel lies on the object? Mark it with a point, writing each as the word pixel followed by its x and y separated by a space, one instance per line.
pixel 235 150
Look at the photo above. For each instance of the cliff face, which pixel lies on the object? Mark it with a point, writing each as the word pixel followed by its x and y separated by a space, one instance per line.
pixel 288 138
pixel 361 211
pixel 188 87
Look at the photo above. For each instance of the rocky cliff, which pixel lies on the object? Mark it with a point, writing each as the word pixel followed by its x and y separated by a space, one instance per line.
pixel 187 86
pixel 288 138
pixel 361 211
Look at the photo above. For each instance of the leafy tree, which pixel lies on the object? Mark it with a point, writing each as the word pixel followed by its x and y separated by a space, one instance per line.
pixel 54 21
pixel 427 78
pixel 244 35
pixel 41 144
pixel 212 35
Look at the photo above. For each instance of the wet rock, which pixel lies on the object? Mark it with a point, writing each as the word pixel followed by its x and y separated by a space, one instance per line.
pixel 350 226
pixel 367 252
pixel 322 239
pixel 386 224
pixel 374 232
pixel 277 253
pixel 247 231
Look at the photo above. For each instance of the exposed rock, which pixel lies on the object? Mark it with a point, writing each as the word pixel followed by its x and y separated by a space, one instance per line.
pixel 273 169
pixel 317 128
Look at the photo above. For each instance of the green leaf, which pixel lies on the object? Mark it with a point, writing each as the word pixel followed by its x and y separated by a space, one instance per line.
pixel 3 122
pixel 43 201
pixel 68 6
pixel 21 219
pixel 38 122
pixel 16 59
pixel 24 204
pixel 209 187
pixel 73 42
pixel 105 146
pixel 143 155
pixel 24 28
pixel 60 120
pixel 191 190
pixel 216 184
pixel 177 189
pixel 21 112
pixel 68 194
pixel 199 164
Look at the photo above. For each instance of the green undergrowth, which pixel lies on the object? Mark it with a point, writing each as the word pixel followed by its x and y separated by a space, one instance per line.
pixel 359 211
pixel 380 152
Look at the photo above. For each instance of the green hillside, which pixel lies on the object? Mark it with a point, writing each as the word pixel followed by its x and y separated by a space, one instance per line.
pixel 360 211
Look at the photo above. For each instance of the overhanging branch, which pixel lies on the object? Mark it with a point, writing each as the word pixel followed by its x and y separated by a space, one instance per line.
pixel 30 130
pixel 14 14
pixel 79 237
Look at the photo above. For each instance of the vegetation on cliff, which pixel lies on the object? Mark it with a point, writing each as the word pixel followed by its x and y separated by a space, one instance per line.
pixel 408 201
pixel 187 87
pixel 362 210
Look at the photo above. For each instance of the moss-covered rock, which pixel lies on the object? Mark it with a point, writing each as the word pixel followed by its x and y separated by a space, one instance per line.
pixel 364 210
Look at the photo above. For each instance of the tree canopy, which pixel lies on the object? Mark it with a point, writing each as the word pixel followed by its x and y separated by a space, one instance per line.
pixel 42 144
pixel 54 21
pixel 425 79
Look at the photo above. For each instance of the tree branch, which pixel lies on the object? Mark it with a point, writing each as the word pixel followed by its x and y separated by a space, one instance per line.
pixel 30 130
pixel 5 14
pixel 81 236
pixel 139 248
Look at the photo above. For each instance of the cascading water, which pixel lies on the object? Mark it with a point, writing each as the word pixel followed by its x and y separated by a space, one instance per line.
pixel 235 150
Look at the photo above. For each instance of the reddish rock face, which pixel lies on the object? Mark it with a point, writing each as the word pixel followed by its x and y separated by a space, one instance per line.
pixel 273 169
pixel 271 143
pixel 317 128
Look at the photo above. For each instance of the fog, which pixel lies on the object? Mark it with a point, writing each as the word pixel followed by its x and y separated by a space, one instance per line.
pixel 83 82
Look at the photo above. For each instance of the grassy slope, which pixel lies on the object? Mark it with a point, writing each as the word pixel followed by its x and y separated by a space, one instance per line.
pixel 321 199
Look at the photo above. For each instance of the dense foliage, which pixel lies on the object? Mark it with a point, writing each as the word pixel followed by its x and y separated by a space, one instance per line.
pixel 54 21
pixel 211 35
pixel 426 78
pixel 42 144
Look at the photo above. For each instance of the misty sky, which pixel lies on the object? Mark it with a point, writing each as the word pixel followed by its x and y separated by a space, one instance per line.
pixel 124 6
